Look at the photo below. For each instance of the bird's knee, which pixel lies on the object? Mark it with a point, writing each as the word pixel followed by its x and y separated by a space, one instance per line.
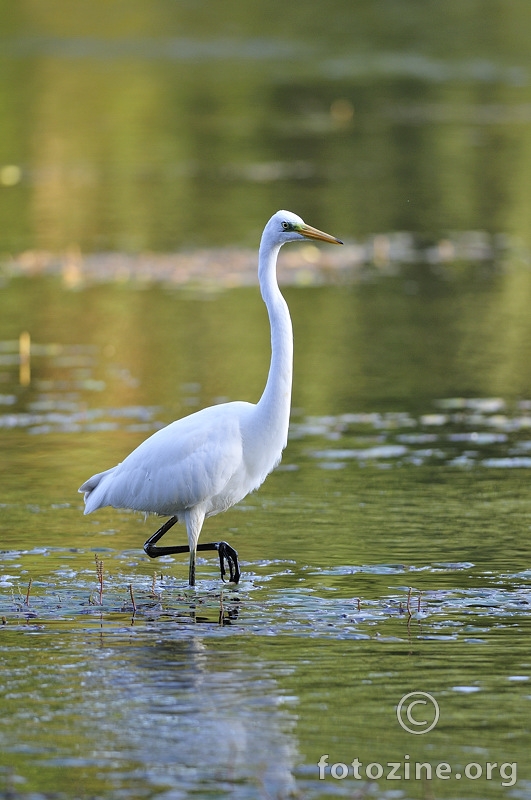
pixel 149 550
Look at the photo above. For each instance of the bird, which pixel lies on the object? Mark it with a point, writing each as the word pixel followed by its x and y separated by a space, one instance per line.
pixel 204 463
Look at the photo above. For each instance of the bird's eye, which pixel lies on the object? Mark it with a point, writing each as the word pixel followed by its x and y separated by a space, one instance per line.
pixel 286 226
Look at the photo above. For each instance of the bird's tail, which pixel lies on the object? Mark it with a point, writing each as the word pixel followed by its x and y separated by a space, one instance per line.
pixel 92 498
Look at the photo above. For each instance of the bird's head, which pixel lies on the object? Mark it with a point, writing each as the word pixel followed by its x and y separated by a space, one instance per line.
pixel 284 226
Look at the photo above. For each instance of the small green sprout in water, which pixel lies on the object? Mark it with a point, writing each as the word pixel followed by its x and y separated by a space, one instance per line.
pixel 26 601
pixel 408 607
pixel 18 600
pixel 154 593
pixel 99 573
pixel 401 608
pixel 132 597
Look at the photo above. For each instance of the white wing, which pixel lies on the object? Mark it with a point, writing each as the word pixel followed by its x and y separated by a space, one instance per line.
pixel 197 459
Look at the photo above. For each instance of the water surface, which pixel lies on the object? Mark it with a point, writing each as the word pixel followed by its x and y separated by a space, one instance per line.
pixel 142 149
pixel 388 553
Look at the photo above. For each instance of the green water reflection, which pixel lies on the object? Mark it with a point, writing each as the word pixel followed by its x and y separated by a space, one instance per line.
pixel 127 129
pixel 155 710
pixel 388 555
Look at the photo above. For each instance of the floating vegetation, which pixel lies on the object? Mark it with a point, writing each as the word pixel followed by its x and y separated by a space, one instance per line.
pixel 227 267
pixel 486 432
pixel 314 608
pixel 59 404
pixel 77 419
pixel 461 432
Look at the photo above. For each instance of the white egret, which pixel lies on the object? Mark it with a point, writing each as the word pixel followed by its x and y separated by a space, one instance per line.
pixel 203 464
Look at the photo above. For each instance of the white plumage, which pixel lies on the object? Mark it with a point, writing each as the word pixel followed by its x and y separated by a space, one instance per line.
pixel 203 464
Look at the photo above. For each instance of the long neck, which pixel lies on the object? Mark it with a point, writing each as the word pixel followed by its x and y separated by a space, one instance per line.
pixel 274 405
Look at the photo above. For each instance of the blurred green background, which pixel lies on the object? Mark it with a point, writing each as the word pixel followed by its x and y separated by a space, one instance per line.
pixel 152 126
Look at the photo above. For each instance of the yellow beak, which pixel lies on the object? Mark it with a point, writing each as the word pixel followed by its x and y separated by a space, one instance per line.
pixel 314 233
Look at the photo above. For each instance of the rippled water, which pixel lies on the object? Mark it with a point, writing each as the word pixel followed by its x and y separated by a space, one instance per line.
pixel 388 554
pixel 142 147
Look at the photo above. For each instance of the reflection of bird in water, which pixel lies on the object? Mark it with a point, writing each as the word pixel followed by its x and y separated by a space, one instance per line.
pixel 206 462
pixel 222 719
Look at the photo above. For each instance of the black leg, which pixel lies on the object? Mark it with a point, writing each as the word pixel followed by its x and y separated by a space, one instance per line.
pixel 225 551
pixel 154 552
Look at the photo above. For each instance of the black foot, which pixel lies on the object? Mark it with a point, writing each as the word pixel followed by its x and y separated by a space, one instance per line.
pixel 228 554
